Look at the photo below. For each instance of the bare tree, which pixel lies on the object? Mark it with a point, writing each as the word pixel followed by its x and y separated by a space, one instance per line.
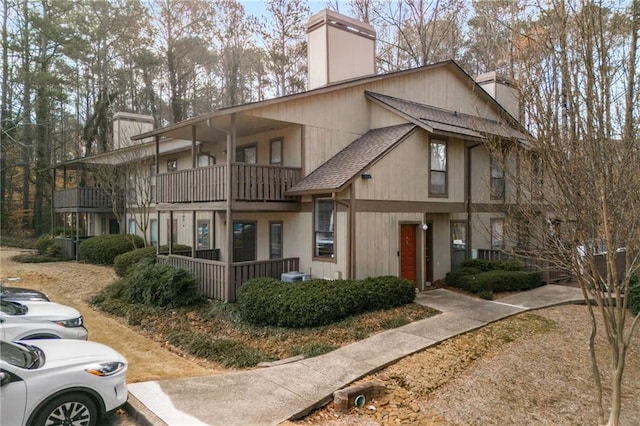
pixel 578 184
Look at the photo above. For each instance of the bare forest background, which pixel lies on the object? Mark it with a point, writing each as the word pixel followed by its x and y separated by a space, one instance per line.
pixel 69 65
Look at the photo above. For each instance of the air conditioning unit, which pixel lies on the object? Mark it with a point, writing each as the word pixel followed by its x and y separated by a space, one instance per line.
pixel 294 276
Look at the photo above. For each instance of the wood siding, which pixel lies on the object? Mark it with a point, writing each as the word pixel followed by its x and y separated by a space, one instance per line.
pixel 252 182
pixel 84 198
pixel 211 275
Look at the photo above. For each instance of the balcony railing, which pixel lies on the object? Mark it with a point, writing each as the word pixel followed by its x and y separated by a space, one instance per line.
pixel 86 197
pixel 251 182
pixel 212 278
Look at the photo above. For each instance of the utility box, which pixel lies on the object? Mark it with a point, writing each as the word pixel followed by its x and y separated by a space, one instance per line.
pixel 294 276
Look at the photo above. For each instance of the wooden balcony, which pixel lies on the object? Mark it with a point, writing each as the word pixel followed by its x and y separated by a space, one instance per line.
pixel 84 199
pixel 212 278
pixel 251 182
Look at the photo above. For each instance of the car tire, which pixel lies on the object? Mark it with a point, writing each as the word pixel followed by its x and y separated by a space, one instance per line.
pixel 75 409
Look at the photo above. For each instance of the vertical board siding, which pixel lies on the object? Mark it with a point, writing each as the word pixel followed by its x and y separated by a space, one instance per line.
pixel 211 278
pixel 252 183
pixel 84 197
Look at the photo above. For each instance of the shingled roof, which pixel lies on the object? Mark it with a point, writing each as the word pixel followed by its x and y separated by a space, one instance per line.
pixel 437 120
pixel 339 170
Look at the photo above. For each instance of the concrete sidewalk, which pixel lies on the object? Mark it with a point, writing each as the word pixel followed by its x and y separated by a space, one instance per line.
pixel 269 396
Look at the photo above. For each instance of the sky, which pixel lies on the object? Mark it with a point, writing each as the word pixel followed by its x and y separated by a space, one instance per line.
pixel 257 7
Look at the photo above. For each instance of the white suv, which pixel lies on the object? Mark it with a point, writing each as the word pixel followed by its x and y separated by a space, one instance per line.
pixel 63 382
pixel 39 320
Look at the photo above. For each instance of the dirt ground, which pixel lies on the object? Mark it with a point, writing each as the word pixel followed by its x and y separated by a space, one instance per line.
pixel 528 379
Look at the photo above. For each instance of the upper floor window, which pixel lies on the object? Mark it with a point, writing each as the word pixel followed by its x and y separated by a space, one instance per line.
pixel 276 152
pixel 247 154
pixel 323 212
pixel 438 168
pixel 172 165
pixel 497 180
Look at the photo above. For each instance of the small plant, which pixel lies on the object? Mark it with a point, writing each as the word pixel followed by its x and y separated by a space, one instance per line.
pixel 311 349
pixel 44 243
pixel 486 295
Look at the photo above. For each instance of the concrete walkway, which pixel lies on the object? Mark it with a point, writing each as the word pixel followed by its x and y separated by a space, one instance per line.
pixel 269 396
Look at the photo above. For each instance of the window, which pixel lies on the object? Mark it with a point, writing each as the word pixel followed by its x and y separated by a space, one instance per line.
pixel 132 226
pixel 203 235
pixel 324 209
pixel 497 180
pixel 497 234
pixel 247 154
pixel 244 241
pixel 205 160
pixel 153 232
pixel 458 244
pixel 438 168
pixel 276 152
pixel 275 240
pixel 172 231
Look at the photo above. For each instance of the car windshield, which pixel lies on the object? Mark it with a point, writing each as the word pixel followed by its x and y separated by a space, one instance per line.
pixel 12 308
pixel 21 355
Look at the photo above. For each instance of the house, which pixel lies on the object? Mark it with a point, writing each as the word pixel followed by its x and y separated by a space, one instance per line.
pixel 361 175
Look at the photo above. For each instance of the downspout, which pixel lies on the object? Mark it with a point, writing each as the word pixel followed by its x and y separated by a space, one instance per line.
pixel 467 198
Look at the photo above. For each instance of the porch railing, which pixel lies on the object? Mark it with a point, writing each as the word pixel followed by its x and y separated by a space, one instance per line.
pixel 85 197
pixel 212 278
pixel 252 182
pixel 550 273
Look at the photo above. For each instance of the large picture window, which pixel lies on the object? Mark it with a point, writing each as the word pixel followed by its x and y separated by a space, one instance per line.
pixel 324 211
pixel 244 241
pixel 438 168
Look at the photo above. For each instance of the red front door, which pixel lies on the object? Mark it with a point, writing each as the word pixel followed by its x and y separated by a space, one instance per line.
pixel 408 251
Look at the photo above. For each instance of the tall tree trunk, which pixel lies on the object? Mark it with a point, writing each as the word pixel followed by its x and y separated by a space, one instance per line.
pixel 5 119
pixel 26 117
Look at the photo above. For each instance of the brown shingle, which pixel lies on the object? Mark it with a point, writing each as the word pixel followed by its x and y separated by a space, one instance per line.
pixel 336 172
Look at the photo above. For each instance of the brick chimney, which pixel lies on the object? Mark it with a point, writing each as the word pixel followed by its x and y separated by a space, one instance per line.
pixel 339 48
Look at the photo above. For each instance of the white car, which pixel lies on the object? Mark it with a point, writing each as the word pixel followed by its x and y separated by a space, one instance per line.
pixel 59 382
pixel 39 320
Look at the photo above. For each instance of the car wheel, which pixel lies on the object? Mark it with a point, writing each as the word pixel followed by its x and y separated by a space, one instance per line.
pixel 73 409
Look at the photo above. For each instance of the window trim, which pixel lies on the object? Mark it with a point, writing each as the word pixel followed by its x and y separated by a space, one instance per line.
pixel 243 148
pixel 495 166
pixel 281 223
pixel 272 142
pixel 333 258
pixel 444 194
pixel 494 221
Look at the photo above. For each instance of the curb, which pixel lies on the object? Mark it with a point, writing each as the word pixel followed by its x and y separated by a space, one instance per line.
pixel 140 413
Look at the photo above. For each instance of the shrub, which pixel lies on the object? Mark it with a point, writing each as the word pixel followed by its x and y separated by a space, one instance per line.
pixel 124 261
pixel 267 301
pixel 492 265
pixel 498 281
pixel 159 285
pixel 36 258
pixel 103 249
pixel 634 295
pixel 453 278
pixel 44 243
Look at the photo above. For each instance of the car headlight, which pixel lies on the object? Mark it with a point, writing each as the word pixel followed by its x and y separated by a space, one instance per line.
pixel 74 322
pixel 105 368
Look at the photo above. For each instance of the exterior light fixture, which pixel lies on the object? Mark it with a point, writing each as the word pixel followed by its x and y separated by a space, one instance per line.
pixel 366 176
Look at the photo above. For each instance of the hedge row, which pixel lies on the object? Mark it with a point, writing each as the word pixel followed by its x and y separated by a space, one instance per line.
pixel 267 301
pixel 483 276
pixel 124 261
pixel 634 295
pixel 103 249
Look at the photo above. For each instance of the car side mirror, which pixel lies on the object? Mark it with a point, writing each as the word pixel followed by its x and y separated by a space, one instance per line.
pixel 5 378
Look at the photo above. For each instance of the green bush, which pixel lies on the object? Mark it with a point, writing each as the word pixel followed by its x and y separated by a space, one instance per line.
pixel 103 249
pixel 124 261
pixel 453 278
pixel 267 301
pixel 634 295
pixel 159 285
pixel 492 265
pixel 498 281
pixel 44 243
